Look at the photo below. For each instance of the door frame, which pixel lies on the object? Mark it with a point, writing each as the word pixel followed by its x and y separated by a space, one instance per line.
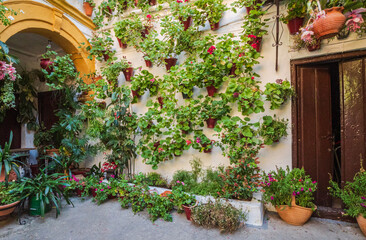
pixel 323 212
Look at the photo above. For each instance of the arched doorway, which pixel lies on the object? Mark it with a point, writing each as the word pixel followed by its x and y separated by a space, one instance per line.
pixel 52 24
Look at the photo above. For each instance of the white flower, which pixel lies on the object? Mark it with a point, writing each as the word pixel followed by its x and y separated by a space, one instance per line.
pixel 6 9
pixel 21 11
pixel 11 18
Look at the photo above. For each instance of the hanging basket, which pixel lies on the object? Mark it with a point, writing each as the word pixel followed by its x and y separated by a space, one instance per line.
pixel 294 25
pixel 329 25
pixel 294 215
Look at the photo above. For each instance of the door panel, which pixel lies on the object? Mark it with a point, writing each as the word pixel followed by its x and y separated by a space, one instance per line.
pixel 315 127
pixel 10 123
pixel 352 75
pixel 47 106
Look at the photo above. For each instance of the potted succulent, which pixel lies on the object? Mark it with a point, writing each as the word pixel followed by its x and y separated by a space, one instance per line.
pixel 291 192
pixel 353 195
pixel 273 130
pixel 182 200
pixel 278 93
pixel 9 199
pixel 294 18
pixel 44 190
pixel 213 110
pixel 145 81
pixel 88 6
pixel 210 10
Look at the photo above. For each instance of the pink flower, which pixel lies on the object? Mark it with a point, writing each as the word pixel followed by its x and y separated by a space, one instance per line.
pixel 254 45
pixel 252 78
pixel 279 81
pixel 102 190
pixel 235 94
pixel 160 150
pixel 314 182
pixel 109 187
pixel 100 181
pixel 179 1
pixel 211 49
pixel 364 198
pixel 310 190
pixel 294 193
pixel 112 176
pixel 272 197
pixel 183 183
pixel 298 193
pixel 152 80
pixel 302 189
pixel 148 16
pixel 198 140
pixel 188 142
pixel 178 181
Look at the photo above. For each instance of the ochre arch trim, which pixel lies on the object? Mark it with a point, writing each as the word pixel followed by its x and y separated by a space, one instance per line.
pixel 52 24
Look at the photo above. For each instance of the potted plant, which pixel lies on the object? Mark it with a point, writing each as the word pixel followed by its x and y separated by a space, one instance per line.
pixel 44 190
pixel 213 110
pixel 7 79
pixel 202 143
pixel 353 195
pixel 150 47
pixel 9 170
pixel 210 10
pixel 291 192
pixel 309 39
pixel 47 59
pixel 9 199
pixel 159 207
pixel 100 46
pixel 184 12
pixel 88 6
pixel 294 18
pixel 128 31
pixel 278 93
pixel 273 130
pixel 182 200
pixel 145 81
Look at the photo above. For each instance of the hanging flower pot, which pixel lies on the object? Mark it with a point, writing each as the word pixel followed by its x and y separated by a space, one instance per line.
pixel 105 56
pixel 362 223
pixel 161 101
pixel 121 45
pixel 128 72
pixel 211 122
pixel 314 47
pixel 255 42
pixel 211 90
pixel 136 2
pixel 186 96
pixel 294 215
pixel 205 146
pixel 183 131
pixel 156 144
pixel 88 9
pixel 135 93
pixel 214 26
pixel 46 64
pixel 329 25
pixel 152 2
pixel 186 23
pixel 148 63
pixel 145 32
pixel 109 9
pixel 233 69
pixel 170 62
pixel 294 25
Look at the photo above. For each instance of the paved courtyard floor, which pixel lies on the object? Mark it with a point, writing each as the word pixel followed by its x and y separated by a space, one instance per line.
pixel 109 221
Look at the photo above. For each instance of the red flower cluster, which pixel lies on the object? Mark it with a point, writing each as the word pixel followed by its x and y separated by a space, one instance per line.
pixel 108 166
pixel 211 49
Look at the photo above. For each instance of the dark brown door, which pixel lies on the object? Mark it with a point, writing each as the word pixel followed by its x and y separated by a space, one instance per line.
pixel 352 76
pixel 10 123
pixel 47 105
pixel 314 123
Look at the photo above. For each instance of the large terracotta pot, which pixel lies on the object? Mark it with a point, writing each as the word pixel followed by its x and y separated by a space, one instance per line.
pixel 12 175
pixel 294 215
pixel 362 223
pixel 294 25
pixel 330 25
pixel 88 9
pixel 4 214
pixel 128 72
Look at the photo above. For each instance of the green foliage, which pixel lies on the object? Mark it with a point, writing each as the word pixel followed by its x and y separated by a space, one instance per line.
pixel 129 30
pixel 295 8
pixel 210 10
pixel 155 179
pixel 281 184
pixel 159 207
pixel 180 197
pixel 46 188
pixel 219 215
pixel 215 109
pixel 353 194
pixel 145 81
pixel 278 93
pixel 273 130
pixel 7 99
pixel 6 14
pixel 8 193
pixel 112 71
pixel 100 46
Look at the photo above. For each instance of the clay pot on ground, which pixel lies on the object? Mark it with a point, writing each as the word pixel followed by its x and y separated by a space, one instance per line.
pixel 121 44
pixel 211 90
pixel 88 9
pixel 294 25
pixel 188 210
pixel 170 62
pixel 294 215
pixel 362 223
pixel 11 177
pixel 330 25
pixel 4 214
pixel 128 72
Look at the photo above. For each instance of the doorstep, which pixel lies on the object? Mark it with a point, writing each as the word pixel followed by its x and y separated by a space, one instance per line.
pixel 253 208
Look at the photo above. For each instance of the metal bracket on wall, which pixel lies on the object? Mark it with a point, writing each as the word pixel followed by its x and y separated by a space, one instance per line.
pixel 277 35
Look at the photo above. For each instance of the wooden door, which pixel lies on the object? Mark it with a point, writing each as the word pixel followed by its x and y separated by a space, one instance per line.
pixel 314 127
pixel 10 123
pixel 47 105
pixel 352 76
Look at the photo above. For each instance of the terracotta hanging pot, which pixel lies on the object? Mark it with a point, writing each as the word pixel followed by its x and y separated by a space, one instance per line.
pixel 294 215
pixel 294 25
pixel 170 62
pixel 121 45
pixel 233 69
pixel 208 150
pixel 109 9
pixel 329 25
pixel 186 23
pixel 314 47
pixel 211 122
pixel 183 131
pixel 161 101
pixel 128 72
pixel 251 8
pixel 145 32
pixel 214 26
pixel 256 43
pixel 105 56
pixel 156 144
pixel 211 90
pixel 148 63
pixel 4 214
pixel 46 64
pixel 88 9
pixel 135 93
pixel 362 223
pixel 152 2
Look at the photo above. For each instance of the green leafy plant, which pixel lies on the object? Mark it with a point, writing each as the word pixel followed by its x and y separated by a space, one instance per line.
pixel 159 207
pixel 155 179
pixel 273 130
pixel 8 161
pixel 100 46
pixel 215 109
pixel 180 197
pixel 145 81
pixel 129 30
pixel 280 185
pixel 210 10
pixel 219 215
pixel 353 194
pixel 6 14
pixel 295 8
pixel 278 93
pixel 8 193
pixel 201 142
pixel 45 187
pixel 112 71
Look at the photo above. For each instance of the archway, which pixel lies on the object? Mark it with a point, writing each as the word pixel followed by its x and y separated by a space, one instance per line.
pixel 52 24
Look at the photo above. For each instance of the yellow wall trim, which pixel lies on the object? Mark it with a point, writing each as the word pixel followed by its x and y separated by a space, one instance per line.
pixel 73 12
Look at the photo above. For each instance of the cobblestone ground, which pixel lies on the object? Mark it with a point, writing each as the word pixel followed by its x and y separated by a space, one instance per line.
pixel 108 221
